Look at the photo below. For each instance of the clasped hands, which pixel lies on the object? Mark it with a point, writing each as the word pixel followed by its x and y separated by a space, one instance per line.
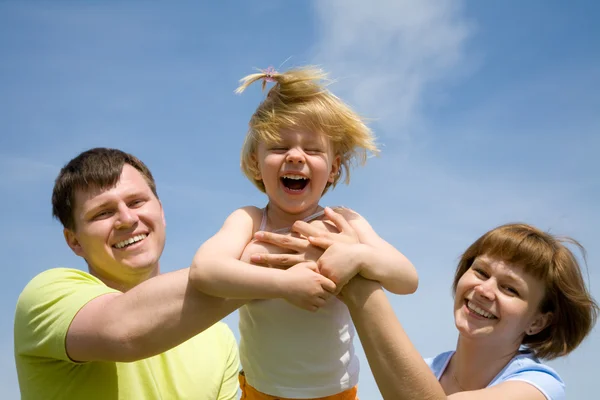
pixel 320 263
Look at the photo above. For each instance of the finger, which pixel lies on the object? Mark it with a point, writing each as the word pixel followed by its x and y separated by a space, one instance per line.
pixel 325 296
pixel 306 229
pixel 328 285
pixel 311 265
pixel 285 241
pixel 319 302
pixel 321 241
pixel 339 221
pixel 277 259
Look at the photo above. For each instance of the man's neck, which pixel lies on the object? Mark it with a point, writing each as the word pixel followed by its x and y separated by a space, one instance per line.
pixel 126 283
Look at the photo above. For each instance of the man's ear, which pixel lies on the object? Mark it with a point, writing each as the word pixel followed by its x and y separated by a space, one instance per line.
pixel 73 242
pixel 539 323
pixel 162 213
pixel 335 169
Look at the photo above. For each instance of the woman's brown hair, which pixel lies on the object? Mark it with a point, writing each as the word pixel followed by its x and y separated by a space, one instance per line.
pixel 547 258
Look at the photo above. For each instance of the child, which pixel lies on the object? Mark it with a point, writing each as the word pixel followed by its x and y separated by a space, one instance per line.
pixel 301 141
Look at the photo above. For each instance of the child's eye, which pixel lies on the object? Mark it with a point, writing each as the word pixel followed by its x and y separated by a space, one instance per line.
pixel 278 149
pixel 511 290
pixel 314 151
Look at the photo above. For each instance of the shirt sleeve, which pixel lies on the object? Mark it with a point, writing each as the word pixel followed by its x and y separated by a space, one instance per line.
pixel 544 379
pixel 230 385
pixel 46 308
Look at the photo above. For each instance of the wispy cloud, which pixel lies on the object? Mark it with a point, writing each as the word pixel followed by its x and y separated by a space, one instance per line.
pixel 392 52
pixel 24 170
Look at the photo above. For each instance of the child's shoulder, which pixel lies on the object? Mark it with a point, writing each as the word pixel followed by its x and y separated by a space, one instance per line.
pixel 248 213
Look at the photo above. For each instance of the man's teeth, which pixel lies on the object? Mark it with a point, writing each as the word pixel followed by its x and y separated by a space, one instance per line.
pixel 479 311
pixel 129 241
pixel 294 177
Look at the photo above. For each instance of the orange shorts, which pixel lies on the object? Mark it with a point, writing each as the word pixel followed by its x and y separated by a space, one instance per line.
pixel 249 393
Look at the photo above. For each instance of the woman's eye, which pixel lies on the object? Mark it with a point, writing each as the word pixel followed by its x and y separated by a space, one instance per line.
pixel 480 272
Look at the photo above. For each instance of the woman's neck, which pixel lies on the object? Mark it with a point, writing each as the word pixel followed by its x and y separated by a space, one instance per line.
pixel 476 363
pixel 279 219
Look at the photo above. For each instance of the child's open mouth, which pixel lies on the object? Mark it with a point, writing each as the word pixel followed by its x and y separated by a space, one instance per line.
pixel 294 182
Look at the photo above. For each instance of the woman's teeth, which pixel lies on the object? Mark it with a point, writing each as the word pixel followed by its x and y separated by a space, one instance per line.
pixel 480 311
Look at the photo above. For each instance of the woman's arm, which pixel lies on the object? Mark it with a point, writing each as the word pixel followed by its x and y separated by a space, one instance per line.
pixel 399 369
pixel 217 270
pixel 397 366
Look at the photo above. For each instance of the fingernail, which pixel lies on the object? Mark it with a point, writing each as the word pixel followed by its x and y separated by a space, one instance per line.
pixel 255 257
pixel 311 238
pixel 259 235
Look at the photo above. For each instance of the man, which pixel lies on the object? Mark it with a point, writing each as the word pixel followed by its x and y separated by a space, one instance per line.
pixel 123 330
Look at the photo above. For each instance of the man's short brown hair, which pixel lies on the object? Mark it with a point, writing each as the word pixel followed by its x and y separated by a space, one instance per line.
pixel 98 168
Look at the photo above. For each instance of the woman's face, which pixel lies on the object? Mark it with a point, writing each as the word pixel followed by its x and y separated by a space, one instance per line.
pixel 499 301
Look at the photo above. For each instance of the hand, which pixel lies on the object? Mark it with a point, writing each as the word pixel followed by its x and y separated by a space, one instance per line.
pixel 302 248
pixel 324 239
pixel 306 288
pixel 340 263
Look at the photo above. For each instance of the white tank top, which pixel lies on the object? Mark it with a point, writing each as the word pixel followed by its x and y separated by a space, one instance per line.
pixel 289 352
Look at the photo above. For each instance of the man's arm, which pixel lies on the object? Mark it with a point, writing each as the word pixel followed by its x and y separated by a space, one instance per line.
pixel 149 319
pixel 218 271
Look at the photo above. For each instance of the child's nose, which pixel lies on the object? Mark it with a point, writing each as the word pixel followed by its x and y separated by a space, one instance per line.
pixel 295 156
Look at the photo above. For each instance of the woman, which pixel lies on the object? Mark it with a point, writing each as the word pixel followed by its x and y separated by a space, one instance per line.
pixel 519 296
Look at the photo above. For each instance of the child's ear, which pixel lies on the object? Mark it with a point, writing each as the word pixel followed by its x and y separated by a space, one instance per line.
pixel 335 169
pixel 254 163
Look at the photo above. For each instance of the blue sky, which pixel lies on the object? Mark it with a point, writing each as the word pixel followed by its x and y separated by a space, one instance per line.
pixel 487 113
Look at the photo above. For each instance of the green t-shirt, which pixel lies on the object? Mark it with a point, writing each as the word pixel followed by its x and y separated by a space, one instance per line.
pixel 204 367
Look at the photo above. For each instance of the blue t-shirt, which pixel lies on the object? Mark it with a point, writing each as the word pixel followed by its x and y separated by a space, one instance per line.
pixel 523 367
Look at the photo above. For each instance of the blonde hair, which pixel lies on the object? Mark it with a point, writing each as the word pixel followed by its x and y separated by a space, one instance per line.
pixel 299 100
pixel 545 257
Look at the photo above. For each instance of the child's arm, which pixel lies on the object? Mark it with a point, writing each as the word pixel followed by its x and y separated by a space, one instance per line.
pixel 379 260
pixel 354 248
pixel 357 248
pixel 216 269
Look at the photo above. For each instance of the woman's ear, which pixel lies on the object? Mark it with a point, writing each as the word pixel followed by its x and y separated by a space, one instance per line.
pixel 541 322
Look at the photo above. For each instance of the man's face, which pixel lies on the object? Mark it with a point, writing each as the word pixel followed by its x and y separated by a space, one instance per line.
pixel 119 231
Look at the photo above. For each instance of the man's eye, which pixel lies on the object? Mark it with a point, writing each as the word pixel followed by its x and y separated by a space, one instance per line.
pixel 136 203
pixel 102 215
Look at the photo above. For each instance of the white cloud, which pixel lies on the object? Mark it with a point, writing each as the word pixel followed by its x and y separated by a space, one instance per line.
pixel 392 52
pixel 20 170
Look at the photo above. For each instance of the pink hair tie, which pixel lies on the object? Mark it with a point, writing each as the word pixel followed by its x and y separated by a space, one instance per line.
pixel 269 73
